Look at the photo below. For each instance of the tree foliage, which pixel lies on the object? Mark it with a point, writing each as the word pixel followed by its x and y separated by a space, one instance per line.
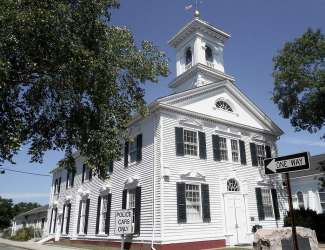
pixel 299 81
pixel 69 79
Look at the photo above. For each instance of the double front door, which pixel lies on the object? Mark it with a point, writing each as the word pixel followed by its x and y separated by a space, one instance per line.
pixel 236 219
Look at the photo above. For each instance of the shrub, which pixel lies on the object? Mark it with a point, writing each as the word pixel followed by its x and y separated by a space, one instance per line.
pixel 309 219
pixel 24 234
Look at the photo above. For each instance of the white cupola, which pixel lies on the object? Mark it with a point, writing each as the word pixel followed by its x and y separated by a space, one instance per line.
pixel 199 55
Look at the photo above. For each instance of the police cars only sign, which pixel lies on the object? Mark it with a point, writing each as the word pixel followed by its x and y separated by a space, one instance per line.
pixel 123 222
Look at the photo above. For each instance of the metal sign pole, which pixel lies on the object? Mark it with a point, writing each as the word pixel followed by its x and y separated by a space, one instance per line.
pixel 294 232
pixel 122 242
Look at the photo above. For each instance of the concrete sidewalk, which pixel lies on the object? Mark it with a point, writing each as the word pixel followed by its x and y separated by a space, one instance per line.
pixel 34 245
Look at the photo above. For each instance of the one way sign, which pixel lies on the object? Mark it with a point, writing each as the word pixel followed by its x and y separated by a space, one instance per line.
pixel 288 163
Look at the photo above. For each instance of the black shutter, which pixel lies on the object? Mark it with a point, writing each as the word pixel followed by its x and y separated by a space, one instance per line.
pixel 124 195
pixel 181 202
pixel 108 213
pixel 202 145
pixel 179 140
pixel 59 185
pixel 275 204
pixel 72 178
pixel 242 152
pixel 55 215
pixel 268 151
pixel 79 214
pixel 67 181
pixel 139 147
pixel 51 221
pixel 110 166
pixel 83 173
pixel 90 173
pixel 126 154
pixel 216 147
pixel 87 215
pixel 254 154
pixel 68 219
pixel 137 211
pixel 259 202
pixel 98 214
pixel 63 218
pixel 205 203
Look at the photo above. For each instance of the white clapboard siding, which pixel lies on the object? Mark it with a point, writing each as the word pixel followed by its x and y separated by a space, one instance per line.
pixel 214 172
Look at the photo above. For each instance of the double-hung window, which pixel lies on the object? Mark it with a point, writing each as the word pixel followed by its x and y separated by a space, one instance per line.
pixel 223 149
pixel 82 224
pixel 234 150
pixel 267 203
pixel 260 154
pixel 190 143
pixel 103 214
pixel 133 151
pixel 321 193
pixel 131 201
pixel 193 202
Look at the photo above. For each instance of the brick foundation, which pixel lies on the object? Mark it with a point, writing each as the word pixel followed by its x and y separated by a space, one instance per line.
pixel 198 245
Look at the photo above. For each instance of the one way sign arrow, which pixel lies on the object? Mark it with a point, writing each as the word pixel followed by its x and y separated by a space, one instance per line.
pixel 288 163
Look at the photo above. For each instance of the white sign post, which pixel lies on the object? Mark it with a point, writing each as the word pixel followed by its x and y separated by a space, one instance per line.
pixel 123 223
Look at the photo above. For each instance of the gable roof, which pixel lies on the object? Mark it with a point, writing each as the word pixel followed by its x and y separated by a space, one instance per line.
pixel 317 167
pixel 36 210
pixel 250 105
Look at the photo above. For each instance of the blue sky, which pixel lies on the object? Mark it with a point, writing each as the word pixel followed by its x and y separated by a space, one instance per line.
pixel 258 29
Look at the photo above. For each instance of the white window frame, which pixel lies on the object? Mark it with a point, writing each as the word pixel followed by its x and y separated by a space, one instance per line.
pixel 271 200
pixel 64 220
pixel 189 218
pixel 133 150
pixel 82 222
pixel 321 202
pixel 130 202
pixel 234 151
pixel 260 157
pixel 223 149
pixel 194 144
pixel 301 203
pixel 103 214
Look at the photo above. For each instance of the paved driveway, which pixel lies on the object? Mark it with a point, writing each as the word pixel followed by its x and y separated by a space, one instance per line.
pixel 6 247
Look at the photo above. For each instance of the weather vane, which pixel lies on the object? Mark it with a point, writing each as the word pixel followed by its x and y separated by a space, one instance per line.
pixel 197 12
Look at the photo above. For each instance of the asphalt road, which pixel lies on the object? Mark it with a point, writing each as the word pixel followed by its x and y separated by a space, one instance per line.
pixel 6 247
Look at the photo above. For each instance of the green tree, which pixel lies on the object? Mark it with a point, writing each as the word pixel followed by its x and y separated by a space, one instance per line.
pixel 6 213
pixel 69 79
pixel 299 81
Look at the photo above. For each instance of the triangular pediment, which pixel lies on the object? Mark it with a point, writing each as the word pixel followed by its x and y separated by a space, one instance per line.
pixel 241 111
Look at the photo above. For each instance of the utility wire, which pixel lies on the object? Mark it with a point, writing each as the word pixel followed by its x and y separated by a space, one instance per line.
pixel 23 172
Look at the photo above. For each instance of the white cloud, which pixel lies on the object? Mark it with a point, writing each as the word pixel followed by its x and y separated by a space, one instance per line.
pixel 23 195
pixel 304 142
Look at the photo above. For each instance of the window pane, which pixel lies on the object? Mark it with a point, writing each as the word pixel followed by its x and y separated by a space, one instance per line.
pixel 234 149
pixel 260 154
pixel 190 142
pixel 267 202
pixel 193 202
pixel 223 149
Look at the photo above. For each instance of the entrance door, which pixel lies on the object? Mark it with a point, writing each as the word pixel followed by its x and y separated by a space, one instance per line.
pixel 236 218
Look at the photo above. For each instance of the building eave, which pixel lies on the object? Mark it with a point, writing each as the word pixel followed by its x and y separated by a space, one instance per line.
pixel 200 68
pixel 194 25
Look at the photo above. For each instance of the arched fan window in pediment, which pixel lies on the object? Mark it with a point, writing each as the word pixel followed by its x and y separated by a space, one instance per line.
pixel 233 185
pixel 223 105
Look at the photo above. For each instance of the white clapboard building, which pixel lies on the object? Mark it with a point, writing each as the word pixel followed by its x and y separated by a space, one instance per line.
pixel 193 173
pixel 307 186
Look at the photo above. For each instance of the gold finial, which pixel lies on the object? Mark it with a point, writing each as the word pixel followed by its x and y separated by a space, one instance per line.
pixel 197 13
